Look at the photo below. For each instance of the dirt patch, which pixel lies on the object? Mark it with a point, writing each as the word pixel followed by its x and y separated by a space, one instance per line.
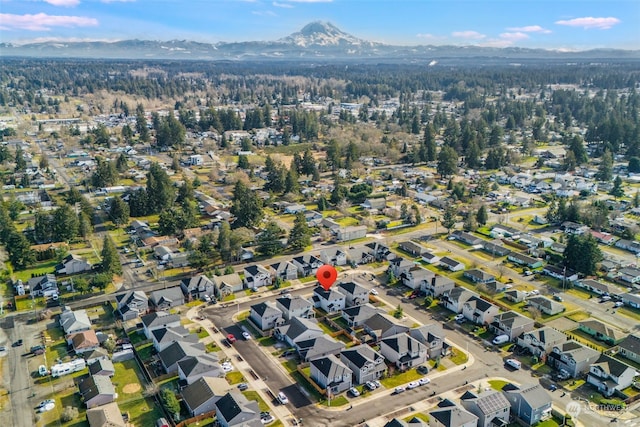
pixel 131 388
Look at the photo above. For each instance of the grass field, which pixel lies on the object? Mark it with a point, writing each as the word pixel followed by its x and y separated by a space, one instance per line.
pixel 400 379
pixel 126 373
pixel 37 270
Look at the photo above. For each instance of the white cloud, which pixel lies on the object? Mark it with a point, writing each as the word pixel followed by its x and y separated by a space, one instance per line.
pixel 43 22
pixel 589 22
pixel 530 29
pixel 63 3
pixel 472 35
pixel 264 13
pixel 285 5
pixel 514 36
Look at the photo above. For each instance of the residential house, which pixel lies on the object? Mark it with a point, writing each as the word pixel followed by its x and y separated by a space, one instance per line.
pixel 358 314
pixel 432 337
pixel 298 329
pixel 294 208
pixel 381 325
pixel 525 260
pixel 379 251
pixel 201 395
pixel 313 218
pixel 632 300
pixel 333 256
pixel 601 331
pixel 331 374
pixel 375 204
pixel 359 256
pixel 630 348
pixel 320 346
pixel 132 304
pixel 572 357
pixel 628 245
pixel 353 232
pixel 295 307
pixel 192 368
pixel 412 248
pixel 330 301
pixel 495 250
pixel 610 375
pixel 102 367
pixel 413 422
pixel 597 287
pixel 96 391
pixel 449 414
pixel 500 231
pixel 265 315
pixel 479 311
pixel 176 351
pixel 491 407
pixel 511 324
pixel 162 253
pixel 197 287
pixel 529 403
pixel 416 277
pixel 403 350
pixel 256 276
pixel 467 238
pixel 567 276
pixel 43 286
pixel 74 321
pixel 84 341
pixel 400 266
pixel 164 337
pixel 307 265
pixel 107 415
pixel 515 295
pixel 73 264
pixel 284 270
pixel 437 286
pixel 95 355
pixel 545 305
pixel 233 409
pixel 157 320
pixel 164 299
pixel 365 363
pixel 228 284
pixel 430 258
pixel 478 276
pixel 354 293
pixel 454 299
pixel 451 264
pixel 540 342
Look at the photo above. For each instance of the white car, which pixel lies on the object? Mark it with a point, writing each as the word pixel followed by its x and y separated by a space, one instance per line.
pixel 618 304
pixel 399 389
pixel 45 407
pixel 374 292
pixel 246 335
pixel 282 398
pixel 227 367
pixel 459 317
pixel 424 381
pixel 413 384
pixel 534 292
pixel 354 392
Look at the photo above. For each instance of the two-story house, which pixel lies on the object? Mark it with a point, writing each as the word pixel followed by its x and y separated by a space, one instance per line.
pixel 416 277
pixel 432 337
pixel 330 301
pixel 256 276
pixel 365 363
pixel 403 350
pixel 307 265
pixel 491 407
pixel 157 320
pixel 265 315
pixel 529 402
pixel 284 270
pixel 331 374
pixel 132 304
pixel 298 329
pixel 164 299
pixel 381 325
pixel 448 414
pixel 454 299
pixel 320 346
pixel 478 276
pixel 572 357
pixel 295 307
pixel 358 314
pixel 197 287
pixel 437 286
pixel 400 266
pixel 234 409
pixel 73 264
pixel 334 256
pixel 164 337
pixel 354 293
pixel 609 375
pixel 540 342
pixel 479 311
pixel 512 324
pixel 630 348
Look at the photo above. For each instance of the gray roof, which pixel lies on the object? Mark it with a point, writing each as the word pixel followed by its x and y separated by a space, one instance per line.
pixel 603 328
pixel 179 350
pixel 577 351
pixel 533 394
pixel 453 416
pixel 265 309
pixel 320 345
pixel 491 401
pixel 352 288
pixel 170 295
pixel 479 304
pixel 403 344
pixel 93 386
pixel 297 326
pixel 129 296
pixel 192 365
pixel 101 365
pixel 159 318
pixel 236 409
pixel 546 303
pixel 177 333
pixel 512 319
pixel 428 333
pixel 331 367
pixel 631 344
pixel 294 303
pixel 360 312
pixel 546 334
pixel 383 322
pixel 73 320
pixel 199 281
pixel 360 355
pixel 108 415
pixel 203 389
pixel 611 366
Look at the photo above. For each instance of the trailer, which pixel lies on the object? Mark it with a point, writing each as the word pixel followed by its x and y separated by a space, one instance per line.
pixel 68 368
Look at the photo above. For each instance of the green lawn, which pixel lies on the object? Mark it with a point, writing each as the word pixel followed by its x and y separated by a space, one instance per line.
pixel 212 347
pixel 253 395
pixel 234 377
pixel 336 401
pixel 497 384
pixel 127 372
pixel 307 279
pixel 400 379
pixel 267 341
pixel 458 356
pixel 290 365
pixel 146 351
pixel 202 333
pixel 229 297
pixel 420 416
pixel 142 412
pixel 36 270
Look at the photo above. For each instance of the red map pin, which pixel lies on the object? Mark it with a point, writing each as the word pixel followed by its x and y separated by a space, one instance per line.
pixel 326 275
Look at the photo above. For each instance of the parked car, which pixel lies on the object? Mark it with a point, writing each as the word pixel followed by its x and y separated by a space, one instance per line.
pixel 354 392
pixel 618 304
pixel 231 338
pixel 553 387
pixel 37 350
pixel 557 298
pixel 18 343
pixel 371 386
pixel 399 389
pixel 377 383
pixel 412 384
pixel 374 292
pixel 422 370
pixel 246 335
pixel 282 398
pixel 243 386
pixel 459 317
pixel 424 381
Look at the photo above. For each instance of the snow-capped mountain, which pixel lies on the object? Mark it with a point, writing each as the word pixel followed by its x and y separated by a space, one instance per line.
pixel 320 33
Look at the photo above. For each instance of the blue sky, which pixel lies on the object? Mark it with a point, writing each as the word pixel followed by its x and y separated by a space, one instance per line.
pixel 558 24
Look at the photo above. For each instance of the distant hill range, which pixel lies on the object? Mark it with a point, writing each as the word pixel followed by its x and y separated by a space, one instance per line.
pixel 317 41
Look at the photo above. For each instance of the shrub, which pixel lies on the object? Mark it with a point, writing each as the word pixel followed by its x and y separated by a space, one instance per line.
pixel 69 413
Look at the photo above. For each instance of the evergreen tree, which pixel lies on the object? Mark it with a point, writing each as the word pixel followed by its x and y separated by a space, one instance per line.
pixel 269 243
pixel 291 184
pixel 300 234
pixel 605 170
pixel 118 211
pixel 21 255
pixel 429 143
pixel 160 189
pixel 447 161
pixel 481 216
pixel 110 259
pixel 64 224
pixel 141 124
pixel 617 190
pixel 470 224
pixel 224 244
pixel 582 254
pixel 246 207
pixel 322 203
pixel 21 162
pixel 449 218
pixel 243 162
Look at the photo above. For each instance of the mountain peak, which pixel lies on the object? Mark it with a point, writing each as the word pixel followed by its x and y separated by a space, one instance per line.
pixel 319 33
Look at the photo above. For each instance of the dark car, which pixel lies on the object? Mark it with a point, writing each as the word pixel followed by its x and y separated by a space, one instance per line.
pixel 18 343
pixel 37 350
pixel 422 370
